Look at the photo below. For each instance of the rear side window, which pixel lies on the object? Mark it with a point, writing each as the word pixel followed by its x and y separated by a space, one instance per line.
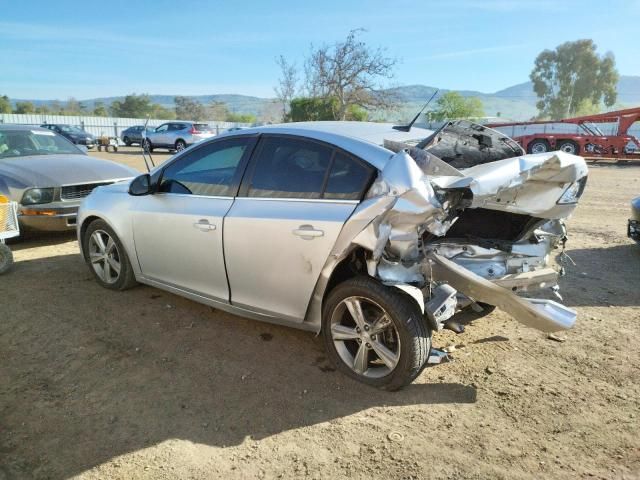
pixel 348 178
pixel 289 168
pixel 203 127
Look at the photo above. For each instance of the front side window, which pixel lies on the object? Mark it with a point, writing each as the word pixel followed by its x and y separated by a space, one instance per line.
pixel 162 128
pixel 289 168
pixel 207 171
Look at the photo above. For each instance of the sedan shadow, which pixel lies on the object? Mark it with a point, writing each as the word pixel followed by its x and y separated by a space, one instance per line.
pixel 89 374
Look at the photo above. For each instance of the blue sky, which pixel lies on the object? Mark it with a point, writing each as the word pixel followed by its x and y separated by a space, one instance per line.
pixel 85 49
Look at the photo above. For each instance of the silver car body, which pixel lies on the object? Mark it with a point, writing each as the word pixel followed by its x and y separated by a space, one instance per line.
pixel 71 176
pixel 170 134
pixel 274 258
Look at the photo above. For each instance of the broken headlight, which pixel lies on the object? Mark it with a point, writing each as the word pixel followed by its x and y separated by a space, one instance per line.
pixel 574 192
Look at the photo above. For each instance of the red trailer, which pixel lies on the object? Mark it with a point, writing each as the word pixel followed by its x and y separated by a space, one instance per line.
pixel 587 140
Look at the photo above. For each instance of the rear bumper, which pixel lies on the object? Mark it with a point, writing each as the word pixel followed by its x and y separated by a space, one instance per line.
pixel 541 314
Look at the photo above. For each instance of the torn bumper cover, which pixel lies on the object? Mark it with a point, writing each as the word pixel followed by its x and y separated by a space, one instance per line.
pixel 545 315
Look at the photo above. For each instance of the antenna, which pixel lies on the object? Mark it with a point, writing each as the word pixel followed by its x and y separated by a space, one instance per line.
pixel 144 145
pixel 406 128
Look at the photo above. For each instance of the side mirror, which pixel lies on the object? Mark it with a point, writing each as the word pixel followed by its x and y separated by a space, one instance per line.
pixel 141 185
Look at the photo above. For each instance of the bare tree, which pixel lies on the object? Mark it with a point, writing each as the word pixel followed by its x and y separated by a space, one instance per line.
pixel 349 71
pixel 287 84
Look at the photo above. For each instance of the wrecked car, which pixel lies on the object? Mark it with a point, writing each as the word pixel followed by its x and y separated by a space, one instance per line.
pixel 372 235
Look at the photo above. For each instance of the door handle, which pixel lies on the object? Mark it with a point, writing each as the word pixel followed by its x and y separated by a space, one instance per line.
pixel 204 225
pixel 307 232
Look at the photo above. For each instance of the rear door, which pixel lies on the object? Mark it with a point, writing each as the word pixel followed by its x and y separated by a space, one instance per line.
pixel 178 231
pixel 293 202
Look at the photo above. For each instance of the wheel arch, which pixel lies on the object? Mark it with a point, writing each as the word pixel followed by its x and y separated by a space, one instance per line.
pixel 355 265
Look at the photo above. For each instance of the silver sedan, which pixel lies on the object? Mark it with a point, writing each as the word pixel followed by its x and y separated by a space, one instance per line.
pixel 371 234
pixel 49 176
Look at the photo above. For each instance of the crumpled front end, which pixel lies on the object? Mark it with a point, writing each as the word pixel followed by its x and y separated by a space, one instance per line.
pixel 484 234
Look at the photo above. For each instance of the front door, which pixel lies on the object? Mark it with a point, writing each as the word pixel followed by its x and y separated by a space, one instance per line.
pixel 178 231
pixel 285 221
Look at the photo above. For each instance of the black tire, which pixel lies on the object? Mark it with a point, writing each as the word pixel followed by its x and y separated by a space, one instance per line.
pixel 6 258
pixel 569 146
pixel 125 278
pixel 147 145
pixel 127 141
pixel 180 145
pixel 414 336
pixel 538 146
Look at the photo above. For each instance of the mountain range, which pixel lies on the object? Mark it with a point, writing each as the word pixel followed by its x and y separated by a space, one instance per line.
pixel 517 102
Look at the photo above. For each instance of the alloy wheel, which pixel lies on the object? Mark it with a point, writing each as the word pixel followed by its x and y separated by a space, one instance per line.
pixel 365 337
pixel 104 256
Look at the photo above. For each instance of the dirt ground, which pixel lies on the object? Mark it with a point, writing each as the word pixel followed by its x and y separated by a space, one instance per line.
pixel 142 384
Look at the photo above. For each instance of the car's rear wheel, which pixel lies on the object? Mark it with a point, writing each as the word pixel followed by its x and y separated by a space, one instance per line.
pixel 180 145
pixel 375 333
pixel 569 146
pixel 127 141
pixel 539 146
pixel 6 258
pixel 106 257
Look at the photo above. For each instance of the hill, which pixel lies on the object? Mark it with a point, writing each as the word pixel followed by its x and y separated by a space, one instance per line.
pixel 516 102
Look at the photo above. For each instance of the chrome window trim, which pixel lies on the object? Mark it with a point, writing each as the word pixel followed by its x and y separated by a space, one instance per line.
pixel 216 197
pixel 114 180
pixel 286 199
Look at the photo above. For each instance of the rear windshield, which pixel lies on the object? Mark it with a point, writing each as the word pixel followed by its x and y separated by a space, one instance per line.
pixel 203 127
pixel 22 143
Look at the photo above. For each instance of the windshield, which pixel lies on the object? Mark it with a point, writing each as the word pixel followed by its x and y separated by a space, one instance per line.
pixel 70 129
pixel 21 143
pixel 593 128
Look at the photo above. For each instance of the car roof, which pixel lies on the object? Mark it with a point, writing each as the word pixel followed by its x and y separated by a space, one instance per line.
pixel 18 127
pixel 363 139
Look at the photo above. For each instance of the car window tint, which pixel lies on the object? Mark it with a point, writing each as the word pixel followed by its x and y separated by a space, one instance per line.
pixel 289 168
pixel 347 179
pixel 208 170
pixel 162 128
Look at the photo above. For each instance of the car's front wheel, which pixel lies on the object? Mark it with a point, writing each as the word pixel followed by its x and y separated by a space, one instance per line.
pixel 106 257
pixel 375 333
pixel 147 145
pixel 127 141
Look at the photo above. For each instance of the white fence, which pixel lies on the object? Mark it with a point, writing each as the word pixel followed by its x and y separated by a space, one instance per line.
pixel 110 126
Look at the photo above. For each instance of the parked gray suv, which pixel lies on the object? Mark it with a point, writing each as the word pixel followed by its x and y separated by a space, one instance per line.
pixel 177 135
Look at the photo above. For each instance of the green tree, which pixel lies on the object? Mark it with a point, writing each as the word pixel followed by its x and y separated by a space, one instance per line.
pixel 99 110
pixel 189 109
pixel 218 111
pixel 312 109
pixel 42 109
pixel 25 107
pixel 133 106
pixel 241 118
pixel 452 106
pixel 73 107
pixel 162 113
pixel 572 74
pixel 5 104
